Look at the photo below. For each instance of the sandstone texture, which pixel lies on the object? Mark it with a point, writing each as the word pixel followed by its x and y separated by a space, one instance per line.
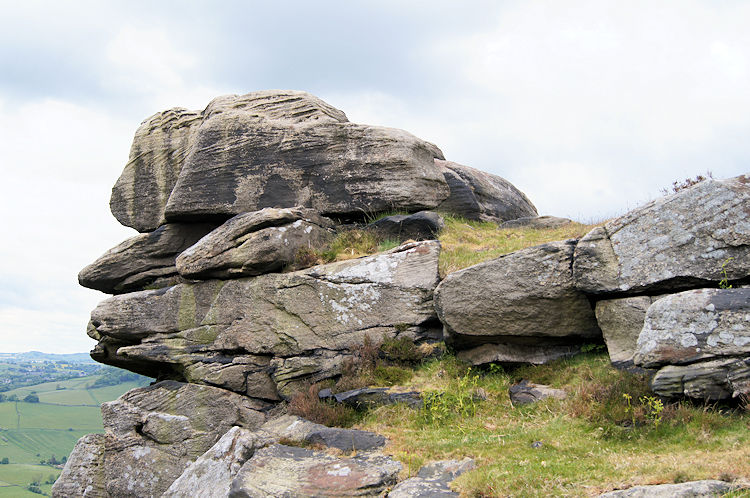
pixel 525 301
pixel 676 242
pixel 481 196
pixel 695 325
pixel 159 149
pixel 152 434
pixel 621 321
pixel 83 474
pixel 254 243
pixel 289 471
pixel 263 335
pixel 700 341
pixel 144 260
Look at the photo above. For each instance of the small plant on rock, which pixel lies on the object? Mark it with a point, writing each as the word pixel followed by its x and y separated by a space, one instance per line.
pixel 724 282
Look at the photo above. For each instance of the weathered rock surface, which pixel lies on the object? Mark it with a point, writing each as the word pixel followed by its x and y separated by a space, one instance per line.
pixel 144 260
pixel 289 471
pixel 673 243
pixel 263 335
pixel 433 480
pixel 621 321
pixel 371 397
pixel 526 392
pixel 152 435
pixel 692 489
pixel 156 158
pixel 83 474
pixel 254 243
pixel 520 350
pixel 477 195
pixel 211 475
pixel 424 225
pixel 695 325
pixel 518 301
pixel 711 380
pixel 537 222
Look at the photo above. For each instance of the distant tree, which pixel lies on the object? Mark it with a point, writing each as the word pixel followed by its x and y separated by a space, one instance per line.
pixel 4 461
pixel 31 398
pixel 12 397
pixel 64 459
pixel 2 398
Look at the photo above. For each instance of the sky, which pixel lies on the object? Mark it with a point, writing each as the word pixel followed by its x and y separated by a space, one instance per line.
pixel 589 107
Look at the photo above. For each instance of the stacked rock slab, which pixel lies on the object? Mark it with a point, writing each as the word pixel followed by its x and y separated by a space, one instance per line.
pixel 635 264
pixel 263 335
pixel 519 308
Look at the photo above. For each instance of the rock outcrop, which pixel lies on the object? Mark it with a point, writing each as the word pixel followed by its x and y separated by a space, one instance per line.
pixel 521 307
pixel 255 243
pixel 146 260
pixel 621 321
pixel 693 489
pixel 674 243
pixel 480 196
pixel 424 225
pixel 433 480
pixel 260 336
pixel 702 339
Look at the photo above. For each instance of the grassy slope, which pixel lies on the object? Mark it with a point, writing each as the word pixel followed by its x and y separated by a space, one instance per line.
pixel 588 444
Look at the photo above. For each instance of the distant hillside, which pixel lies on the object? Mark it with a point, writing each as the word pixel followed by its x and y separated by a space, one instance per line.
pixel 39 356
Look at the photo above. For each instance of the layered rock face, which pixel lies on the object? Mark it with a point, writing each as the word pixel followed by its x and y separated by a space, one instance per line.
pixel 216 299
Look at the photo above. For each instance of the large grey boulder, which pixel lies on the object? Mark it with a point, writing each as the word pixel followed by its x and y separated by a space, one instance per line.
pixel 524 301
pixel 693 489
pixel 262 336
pixel 280 470
pixel 83 474
pixel 152 435
pixel 676 242
pixel 276 149
pixel 695 325
pixel 537 222
pixel 254 243
pixel 156 158
pixel 621 321
pixel 481 196
pixel 144 260
pixel 700 340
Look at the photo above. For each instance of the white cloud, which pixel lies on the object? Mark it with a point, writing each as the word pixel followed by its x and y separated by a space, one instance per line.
pixel 42 330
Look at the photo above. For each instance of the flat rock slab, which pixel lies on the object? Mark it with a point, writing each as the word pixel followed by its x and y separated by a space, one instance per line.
pixel 288 471
pixel 692 489
pixel 526 392
pixel 146 260
pixel 264 336
pixel 254 243
pixel 672 243
pixel 433 480
pixel 528 294
pixel 371 397
pixel 481 196
pixel 538 222
pixel 695 325
pixel 424 225
pixel 711 380
pixel 512 350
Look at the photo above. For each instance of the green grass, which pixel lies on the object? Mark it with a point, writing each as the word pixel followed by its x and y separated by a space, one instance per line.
pixel 15 477
pixel 466 243
pixel 588 444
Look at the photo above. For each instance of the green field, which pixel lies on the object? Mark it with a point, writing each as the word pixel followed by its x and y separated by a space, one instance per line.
pixel 35 432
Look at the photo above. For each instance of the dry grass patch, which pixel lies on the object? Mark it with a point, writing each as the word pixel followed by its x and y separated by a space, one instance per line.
pixel 466 243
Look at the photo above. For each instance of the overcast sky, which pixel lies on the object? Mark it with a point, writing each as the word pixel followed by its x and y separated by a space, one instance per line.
pixel 590 108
